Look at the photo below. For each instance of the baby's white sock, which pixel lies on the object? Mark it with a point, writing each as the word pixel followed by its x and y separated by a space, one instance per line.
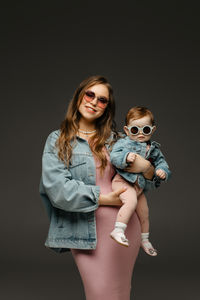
pixel 145 236
pixel 146 245
pixel 120 227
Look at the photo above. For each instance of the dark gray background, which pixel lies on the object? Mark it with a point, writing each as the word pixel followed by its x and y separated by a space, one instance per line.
pixel 149 51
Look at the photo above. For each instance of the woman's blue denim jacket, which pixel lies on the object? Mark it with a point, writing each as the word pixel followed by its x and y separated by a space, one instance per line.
pixel 70 196
pixel 119 154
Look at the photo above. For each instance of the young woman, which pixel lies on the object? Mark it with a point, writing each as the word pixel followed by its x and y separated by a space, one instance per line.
pixel 77 192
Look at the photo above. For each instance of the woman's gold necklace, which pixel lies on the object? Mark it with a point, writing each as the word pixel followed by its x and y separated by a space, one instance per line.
pixel 86 132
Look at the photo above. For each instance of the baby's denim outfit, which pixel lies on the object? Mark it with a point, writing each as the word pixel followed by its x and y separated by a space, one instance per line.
pixel 119 154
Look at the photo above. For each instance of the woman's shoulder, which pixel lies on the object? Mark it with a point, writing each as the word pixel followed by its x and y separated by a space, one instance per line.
pixel 113 139
pixel 115 136
pixel 51 141
pixel 54 134
pixel 122 138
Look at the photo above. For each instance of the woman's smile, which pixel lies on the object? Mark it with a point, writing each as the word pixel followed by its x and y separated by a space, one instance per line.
pixel 90 109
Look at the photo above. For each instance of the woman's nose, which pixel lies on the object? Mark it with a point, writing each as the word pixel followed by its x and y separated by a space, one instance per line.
pixel 94 101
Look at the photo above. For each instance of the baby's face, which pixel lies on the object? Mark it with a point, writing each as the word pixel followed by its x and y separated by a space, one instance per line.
pixel 140 137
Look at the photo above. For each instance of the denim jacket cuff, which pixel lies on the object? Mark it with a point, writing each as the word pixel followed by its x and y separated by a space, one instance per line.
pixel 152 184
pixel 96 192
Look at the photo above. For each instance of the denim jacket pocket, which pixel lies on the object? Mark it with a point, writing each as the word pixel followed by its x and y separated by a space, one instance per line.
pixel 73 225
pixel 78 167
pixel 66 223
pixel 76 164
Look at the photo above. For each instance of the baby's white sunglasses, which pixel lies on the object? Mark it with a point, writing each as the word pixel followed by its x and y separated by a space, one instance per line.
pixel 146 129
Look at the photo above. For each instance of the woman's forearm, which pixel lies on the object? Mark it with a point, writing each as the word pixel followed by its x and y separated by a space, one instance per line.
pixel 148 174
pixel 111 198
pixel 139 165
pixel 103 200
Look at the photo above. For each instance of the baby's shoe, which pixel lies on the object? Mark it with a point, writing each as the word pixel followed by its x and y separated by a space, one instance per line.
pixel 119 237
pixel 148 248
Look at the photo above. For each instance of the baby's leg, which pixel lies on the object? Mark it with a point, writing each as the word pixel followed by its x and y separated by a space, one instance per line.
pixel 142 210
pixel 129 200
pixel 143 214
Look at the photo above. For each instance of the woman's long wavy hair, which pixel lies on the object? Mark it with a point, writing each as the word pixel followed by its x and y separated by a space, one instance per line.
pixel 104 124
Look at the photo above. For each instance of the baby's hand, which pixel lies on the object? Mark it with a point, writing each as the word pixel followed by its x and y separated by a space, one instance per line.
pixel 131 157
pixel 160 173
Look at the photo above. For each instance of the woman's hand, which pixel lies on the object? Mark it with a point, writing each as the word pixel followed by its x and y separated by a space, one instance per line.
pixel 141 165
pixel 149 173
pixel 112 198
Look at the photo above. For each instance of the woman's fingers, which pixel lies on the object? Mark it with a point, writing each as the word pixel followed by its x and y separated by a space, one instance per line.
pixel 121 190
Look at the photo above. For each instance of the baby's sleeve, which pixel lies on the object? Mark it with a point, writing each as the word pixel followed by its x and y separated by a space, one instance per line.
pixel 119 154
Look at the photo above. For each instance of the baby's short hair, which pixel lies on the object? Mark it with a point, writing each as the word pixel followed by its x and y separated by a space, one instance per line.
pixel 138 112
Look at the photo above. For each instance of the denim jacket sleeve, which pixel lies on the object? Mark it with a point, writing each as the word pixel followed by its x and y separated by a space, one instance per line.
pixel 63 191
pixel 118 154
pixel 160 163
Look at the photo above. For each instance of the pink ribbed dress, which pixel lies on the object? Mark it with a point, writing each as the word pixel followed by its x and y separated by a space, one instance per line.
pixel 106 272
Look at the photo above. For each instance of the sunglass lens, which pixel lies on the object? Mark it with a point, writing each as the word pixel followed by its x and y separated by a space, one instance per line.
pixel 90 95
pixel 134 130
pixel 102 102
pixel 147 130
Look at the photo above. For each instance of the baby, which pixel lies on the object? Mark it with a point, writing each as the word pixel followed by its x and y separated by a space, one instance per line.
pixel 139 129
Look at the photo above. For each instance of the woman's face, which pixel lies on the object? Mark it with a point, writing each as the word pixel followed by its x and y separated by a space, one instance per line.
pixel 94 103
